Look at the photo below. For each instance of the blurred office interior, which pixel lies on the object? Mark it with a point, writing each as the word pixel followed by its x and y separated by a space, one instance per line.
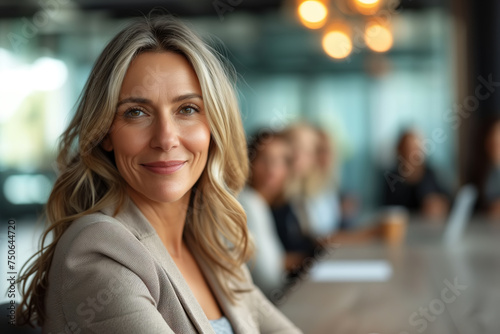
pixel 418 67
pixel 366 99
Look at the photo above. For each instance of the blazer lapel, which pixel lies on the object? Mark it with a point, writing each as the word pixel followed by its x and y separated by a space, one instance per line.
pixel 237 314
pixel 184 293
pixel 137 223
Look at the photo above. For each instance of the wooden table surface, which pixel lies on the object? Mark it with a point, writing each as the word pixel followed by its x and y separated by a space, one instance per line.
pixel 432 289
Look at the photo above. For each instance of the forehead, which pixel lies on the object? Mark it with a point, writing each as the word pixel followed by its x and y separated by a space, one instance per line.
pixel 151 72
pixel 411 138
pixel 275 145
pixel 305 136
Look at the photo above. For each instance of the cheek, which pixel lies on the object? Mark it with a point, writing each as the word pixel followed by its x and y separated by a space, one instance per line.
pixel 128 142
pixel 197 139
pixel 258 171
pixel 282 176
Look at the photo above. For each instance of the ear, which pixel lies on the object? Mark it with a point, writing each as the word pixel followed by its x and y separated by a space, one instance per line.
pixel 106 143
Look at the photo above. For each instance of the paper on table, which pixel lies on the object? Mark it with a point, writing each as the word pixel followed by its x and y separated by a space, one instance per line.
pixel 351 271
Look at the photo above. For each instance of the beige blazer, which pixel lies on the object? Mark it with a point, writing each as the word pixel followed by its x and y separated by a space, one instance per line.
pixel 114 275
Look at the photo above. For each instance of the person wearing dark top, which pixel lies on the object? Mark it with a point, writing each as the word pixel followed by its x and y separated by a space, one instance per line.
pixel 296 211
pixel 412 183
pixel 412 195
pixel 290 232
pixel 282 247
pixel 303 224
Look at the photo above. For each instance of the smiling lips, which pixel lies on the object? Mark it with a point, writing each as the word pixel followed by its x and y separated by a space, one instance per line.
pixel 164 167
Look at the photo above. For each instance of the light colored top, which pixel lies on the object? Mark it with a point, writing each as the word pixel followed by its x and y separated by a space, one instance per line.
pixel 267 268
pixel 222 326
pixel 324 213
pixel 114 275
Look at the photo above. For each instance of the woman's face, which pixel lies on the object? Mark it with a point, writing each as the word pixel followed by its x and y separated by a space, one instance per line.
pixel 160 134
pixel 410 145
pixel 304 145
pixel 270 166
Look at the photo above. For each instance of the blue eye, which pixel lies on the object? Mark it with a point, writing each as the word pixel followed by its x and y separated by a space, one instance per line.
pixel 133 113
pixel 188 110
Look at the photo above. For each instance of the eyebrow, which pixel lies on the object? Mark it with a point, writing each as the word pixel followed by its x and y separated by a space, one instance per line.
pixel 147 101
pixel 187 97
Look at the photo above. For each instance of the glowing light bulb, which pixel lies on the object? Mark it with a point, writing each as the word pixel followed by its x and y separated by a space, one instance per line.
pixel 378 38
pixel 368 2
pixel 337 44
pixel 367 7
pixel 313 13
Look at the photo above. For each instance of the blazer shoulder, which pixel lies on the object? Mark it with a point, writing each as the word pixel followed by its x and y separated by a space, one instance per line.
pixel 104 280
pixel 102 234
pixel 101 243
pixel 95 223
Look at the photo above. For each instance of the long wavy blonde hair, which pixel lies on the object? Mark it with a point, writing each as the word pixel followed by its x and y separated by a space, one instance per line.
pixel 89 180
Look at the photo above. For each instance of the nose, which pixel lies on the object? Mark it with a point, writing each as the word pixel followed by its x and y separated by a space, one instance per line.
pixel 165 133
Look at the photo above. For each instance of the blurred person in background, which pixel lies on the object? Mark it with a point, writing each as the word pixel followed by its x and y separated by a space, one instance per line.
pixel 269 155
pixel 328 210
pixel 412 182
pixel 491 184
pixel 289 211
pixel 311 195
pixel 281 242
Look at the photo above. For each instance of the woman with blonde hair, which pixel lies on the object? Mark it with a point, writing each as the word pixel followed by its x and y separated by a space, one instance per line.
pixel 311 212
pixel 308 178
pixel 148 236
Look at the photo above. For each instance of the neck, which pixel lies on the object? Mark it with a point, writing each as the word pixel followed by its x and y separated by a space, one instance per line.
pixel 168 219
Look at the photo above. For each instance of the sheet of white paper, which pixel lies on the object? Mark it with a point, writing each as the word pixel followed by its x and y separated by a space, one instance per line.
pixel 351 271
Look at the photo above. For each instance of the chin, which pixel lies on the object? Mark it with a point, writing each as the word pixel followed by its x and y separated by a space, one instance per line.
pixel 164 193
pixel 169 196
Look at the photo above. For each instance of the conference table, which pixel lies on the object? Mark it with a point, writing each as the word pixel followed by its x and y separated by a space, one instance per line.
pixel 420 286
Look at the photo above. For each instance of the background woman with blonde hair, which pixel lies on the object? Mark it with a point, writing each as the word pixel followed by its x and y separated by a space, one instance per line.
pixel 311 212
pixel 147 234
pixel 289 210
pixel 310 175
